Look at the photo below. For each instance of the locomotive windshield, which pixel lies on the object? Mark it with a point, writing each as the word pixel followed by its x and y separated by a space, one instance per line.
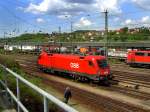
pixel 102 63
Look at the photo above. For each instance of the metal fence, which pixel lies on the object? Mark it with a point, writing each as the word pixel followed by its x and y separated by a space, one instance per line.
pixel 46 96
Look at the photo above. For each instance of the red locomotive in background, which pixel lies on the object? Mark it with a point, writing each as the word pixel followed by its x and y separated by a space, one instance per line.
pixel 93 68
pixel 138 58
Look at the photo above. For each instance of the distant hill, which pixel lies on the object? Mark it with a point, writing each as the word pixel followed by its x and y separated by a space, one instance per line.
pixel 28 38
pixel 80 36
pixel 122 35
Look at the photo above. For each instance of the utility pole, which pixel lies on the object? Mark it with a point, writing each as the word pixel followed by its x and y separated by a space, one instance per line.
pixel 71 35
pixel 71 31
pixel 106 33
pixel 71 28
pixel 4 34
pixel 59 38
pixel 5 38
pixel 59 28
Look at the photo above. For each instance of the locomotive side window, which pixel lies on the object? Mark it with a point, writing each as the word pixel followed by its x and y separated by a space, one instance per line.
pixel 148 54
pixel 102 63
pixel 91 63
pixel 139 54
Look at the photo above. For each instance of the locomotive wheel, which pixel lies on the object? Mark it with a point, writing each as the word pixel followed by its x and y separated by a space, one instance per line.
pixel 104 83
pixel 107 83
pixel 73 76
pixel 133 65
pixel 83 78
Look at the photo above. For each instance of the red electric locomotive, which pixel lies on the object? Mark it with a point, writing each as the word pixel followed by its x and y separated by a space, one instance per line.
pixel 138 58
pixel 83 67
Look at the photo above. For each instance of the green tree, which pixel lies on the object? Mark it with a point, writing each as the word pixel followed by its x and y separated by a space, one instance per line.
pixel 125 30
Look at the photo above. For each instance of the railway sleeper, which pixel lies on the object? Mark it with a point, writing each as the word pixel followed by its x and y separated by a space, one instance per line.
pixel 137 86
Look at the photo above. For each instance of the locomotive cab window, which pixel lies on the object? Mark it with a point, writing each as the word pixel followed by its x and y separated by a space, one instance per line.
pixel 139 54
pixel 148 54
pixel 91 63
pixel 102 63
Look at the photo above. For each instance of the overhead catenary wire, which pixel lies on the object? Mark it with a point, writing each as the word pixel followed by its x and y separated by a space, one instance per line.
pixel 20 18
pixel 94 15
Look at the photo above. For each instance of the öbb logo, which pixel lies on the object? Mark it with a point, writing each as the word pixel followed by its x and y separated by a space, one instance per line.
pixel 74 65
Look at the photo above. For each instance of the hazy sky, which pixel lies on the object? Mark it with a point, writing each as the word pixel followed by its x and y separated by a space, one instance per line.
pixel 19 16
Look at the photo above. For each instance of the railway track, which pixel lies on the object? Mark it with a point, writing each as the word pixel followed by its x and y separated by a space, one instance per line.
pixel 134 76
pixel 133 80
pixel 96 99
pixel 128 91
pixel 124 78
pixel 136 70
pixel 121 79
pixel 92 99
pixel 98 103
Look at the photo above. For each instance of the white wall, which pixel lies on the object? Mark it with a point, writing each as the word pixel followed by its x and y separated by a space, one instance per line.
pixel 24 47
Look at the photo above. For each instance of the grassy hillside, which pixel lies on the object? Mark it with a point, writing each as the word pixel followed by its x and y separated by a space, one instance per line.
pixel 124 35
pixel 27 38
pixel 30 38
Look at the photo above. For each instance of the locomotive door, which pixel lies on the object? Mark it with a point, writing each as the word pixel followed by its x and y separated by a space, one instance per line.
pixel 147 58
pixel 132 59
pixel 50 61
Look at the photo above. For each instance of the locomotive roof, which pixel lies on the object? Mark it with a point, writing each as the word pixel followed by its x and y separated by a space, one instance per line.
pixel 78 56
pixel 144 51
